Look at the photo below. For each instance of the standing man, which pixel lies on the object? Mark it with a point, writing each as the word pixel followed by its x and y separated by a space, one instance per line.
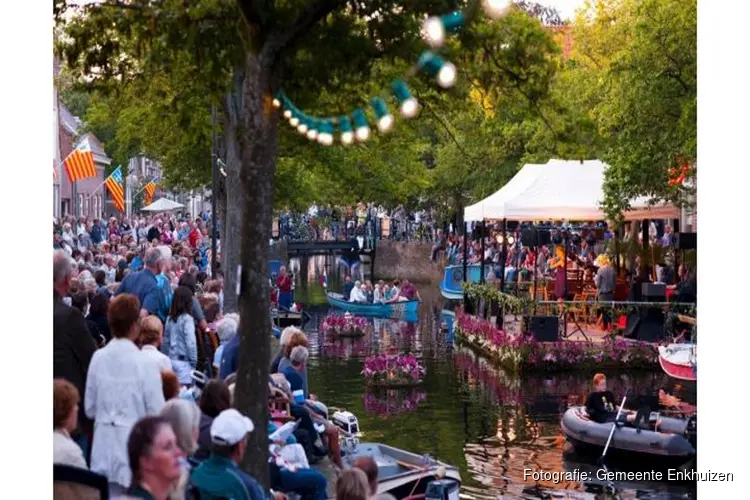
pixel 144 284
pixel 284 282
pixel 73 346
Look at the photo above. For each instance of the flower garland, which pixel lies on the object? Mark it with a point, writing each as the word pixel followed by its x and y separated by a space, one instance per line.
pixel 393 370
pixel 344 325
pixel 394 402
pixel 519 353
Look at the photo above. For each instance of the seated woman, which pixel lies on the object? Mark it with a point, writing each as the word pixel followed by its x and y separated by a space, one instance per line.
pixel 601 406
pixel 65 410
pixel 298 360
pixel 294 477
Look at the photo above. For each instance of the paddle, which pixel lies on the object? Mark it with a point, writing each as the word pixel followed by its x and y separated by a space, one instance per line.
pixel 612 431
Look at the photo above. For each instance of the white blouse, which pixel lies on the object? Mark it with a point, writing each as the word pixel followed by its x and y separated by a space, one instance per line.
pixel 122 387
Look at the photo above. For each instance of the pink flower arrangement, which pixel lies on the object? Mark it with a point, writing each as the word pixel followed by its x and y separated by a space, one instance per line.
pixel 344 325
pixel 516 353
pixel 394 402
pixel 393 369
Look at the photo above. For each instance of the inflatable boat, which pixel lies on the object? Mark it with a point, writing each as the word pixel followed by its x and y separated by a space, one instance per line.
pixel 673 444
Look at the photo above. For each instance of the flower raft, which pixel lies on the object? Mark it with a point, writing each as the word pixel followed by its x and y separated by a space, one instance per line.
pixel 393 370
pixel 517 353
pixel 344 325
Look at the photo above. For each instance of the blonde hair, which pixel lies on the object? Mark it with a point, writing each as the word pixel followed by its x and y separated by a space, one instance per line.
pixel 286 334
pixel 184 416
pixel 151 330
pixel 353 485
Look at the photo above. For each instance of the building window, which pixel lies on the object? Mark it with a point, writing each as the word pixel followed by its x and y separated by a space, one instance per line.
pixel 80 205
pixel 98 205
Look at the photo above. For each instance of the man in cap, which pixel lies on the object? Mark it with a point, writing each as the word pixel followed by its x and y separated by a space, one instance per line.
pixel 219 476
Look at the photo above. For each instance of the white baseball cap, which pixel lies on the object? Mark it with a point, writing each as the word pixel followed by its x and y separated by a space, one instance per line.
pixel 230 427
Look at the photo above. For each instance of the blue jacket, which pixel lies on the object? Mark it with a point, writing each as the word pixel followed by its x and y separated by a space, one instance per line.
pixel 219 477
pixel 229 357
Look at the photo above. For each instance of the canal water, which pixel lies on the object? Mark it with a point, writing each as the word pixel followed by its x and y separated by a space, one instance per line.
pixel 490 425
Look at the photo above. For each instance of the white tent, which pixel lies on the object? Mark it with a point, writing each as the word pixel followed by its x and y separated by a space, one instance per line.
pixel 163 205
pixel 570 190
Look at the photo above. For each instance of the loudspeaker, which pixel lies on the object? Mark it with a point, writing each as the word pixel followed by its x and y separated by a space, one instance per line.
pixel 651 292
pixel 544 328
pixel 646 325
pixel 543 237
pixel 686 241
pixel 529 237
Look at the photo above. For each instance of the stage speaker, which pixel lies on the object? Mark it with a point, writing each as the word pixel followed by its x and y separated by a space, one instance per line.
pixel 543 237
pixel 529 237
pixel 544 328
pixel 686 241
pixel 652 292
pixel 646 325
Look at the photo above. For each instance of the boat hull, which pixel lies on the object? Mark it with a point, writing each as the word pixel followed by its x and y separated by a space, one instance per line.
pixel 451 287
pixel 400 473
pixel 667 448
pixel 678 361
pixel 395 310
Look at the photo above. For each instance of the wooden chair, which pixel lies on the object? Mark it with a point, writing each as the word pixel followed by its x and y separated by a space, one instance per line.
pixel 278 405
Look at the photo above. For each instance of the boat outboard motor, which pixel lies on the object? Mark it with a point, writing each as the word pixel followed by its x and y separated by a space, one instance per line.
pixel 441 489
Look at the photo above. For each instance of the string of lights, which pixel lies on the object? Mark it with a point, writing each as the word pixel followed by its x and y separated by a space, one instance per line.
pixel 355 126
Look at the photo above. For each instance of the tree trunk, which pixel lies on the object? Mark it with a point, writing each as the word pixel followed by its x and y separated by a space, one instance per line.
pixel 256 127
pixel 231 242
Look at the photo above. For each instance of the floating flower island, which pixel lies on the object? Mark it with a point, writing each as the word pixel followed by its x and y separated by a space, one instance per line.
pixel 393 370
pixel 344 325
pixel 517 353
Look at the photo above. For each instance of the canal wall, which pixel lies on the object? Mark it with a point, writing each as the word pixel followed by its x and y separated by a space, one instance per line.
pixel 407 261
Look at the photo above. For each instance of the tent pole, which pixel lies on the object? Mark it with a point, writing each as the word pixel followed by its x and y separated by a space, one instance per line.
pixel 481 269
pixel 500 312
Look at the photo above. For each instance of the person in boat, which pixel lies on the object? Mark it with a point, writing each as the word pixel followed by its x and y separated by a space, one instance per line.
pixel 358 295
pixel 284 283
pixel 348 286
pixel 601 406
pixel 370 468
pixel 406 293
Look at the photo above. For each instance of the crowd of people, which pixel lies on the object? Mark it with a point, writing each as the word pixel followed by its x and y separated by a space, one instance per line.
pixel 129 310
pixel 366 220
pixel 379 293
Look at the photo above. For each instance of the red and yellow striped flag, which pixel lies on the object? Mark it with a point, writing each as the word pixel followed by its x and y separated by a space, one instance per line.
pixel 116 189
pixel 80 163
pixel 149 189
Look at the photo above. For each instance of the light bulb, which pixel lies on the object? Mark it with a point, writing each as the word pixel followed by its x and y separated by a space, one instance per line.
pixel 287 114
pixel 499 238
pixel 325 139
pixel 276 103
pixel 347 138
pixel 302 128
pixel 434 32
pixel 385 123
pixel 294 121
pixel 497 8
pixel 363 133
pixel 511 240
pixel 409 107
pixel 312 134
pixel 446 77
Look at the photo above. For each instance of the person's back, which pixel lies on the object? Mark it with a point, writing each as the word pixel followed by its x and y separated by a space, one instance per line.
pixel 219 477
pixel 142 284
pixel 347 291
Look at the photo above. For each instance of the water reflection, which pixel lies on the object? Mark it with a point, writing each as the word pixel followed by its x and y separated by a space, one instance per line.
pixel 467 413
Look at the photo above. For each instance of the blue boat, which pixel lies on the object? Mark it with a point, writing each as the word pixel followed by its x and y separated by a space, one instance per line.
pixel 453 277
pixel 393 310
pixel 403 474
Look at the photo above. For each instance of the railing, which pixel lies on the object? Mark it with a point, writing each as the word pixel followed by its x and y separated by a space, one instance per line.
pixel 307 229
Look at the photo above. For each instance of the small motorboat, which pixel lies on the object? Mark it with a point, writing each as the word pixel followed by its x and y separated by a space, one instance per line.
pixel 451 287
pixel 679 361
pixel 282 318
pixel 404 309
pixel 404 474
pixel 672 443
